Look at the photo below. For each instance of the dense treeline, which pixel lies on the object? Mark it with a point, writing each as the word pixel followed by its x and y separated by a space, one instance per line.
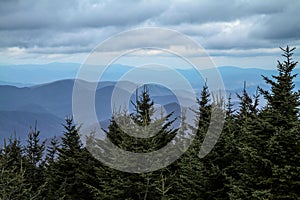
pixel 256 157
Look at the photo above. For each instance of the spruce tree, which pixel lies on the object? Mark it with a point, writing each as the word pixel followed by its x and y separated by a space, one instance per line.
pixel 190 181
pixel 13 184
pixel 281 116
pixel 73 166
pixel 201 178
pixel 283 103
pixel 52 151
pixel 35 149
pixel 34 152
pixel 132 185
pixel 141 118
pixel 50 168
pixel 143 108
pixel 204 110
pixel 245 144
pixel 13 181
pixel 13 152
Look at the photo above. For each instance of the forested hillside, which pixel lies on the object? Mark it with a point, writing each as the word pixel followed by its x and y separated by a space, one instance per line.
pixel 256 157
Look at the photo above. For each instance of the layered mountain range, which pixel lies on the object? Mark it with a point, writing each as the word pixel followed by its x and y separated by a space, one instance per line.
pixel 43 93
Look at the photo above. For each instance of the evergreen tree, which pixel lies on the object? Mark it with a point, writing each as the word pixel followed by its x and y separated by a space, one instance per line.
pixel 247 106
pixel 34 152
pixel 245 144
pixel 73 166
pixel 13 182
pixel 282 101
pixel 50 169
pixel 34 149
pixel 52 151
pixel 141 118
pixel 13 153
pixel 143 108
pixel 201 178
pixel 189 181
pixel 269 156
pixel 282 128
pixel 204 110
pixel 131 185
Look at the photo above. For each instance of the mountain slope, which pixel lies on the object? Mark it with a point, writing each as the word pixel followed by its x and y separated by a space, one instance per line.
pixel 19 122
pixel 49 103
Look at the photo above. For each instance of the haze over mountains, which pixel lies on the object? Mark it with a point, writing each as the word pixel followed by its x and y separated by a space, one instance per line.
pixel 44 93
pixel 28 75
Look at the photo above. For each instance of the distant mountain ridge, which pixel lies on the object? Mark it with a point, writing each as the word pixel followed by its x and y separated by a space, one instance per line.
pixel 49 103
pixel 52 102
pixel 29 75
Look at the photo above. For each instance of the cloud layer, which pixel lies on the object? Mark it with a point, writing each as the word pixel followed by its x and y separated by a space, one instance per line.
pixel 224 28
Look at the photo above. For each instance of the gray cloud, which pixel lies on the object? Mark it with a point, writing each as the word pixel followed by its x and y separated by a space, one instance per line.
pixel 217 11
pixel 284 25
pixel 69 27
pixel 54 14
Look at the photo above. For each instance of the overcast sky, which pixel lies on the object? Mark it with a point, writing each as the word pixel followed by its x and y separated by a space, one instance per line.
pixel 245 33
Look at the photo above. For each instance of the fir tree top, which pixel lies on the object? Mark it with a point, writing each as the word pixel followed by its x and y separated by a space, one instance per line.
pixel 282 100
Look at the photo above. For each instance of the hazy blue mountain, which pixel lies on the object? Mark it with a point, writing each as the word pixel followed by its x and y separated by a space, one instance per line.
pixel 19 122
pixel 53 101
pixel 50 102
pixel 28 75
pixel 38 73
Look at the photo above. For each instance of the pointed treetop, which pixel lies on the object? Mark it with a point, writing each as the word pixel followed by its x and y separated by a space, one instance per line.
pixel 282 100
